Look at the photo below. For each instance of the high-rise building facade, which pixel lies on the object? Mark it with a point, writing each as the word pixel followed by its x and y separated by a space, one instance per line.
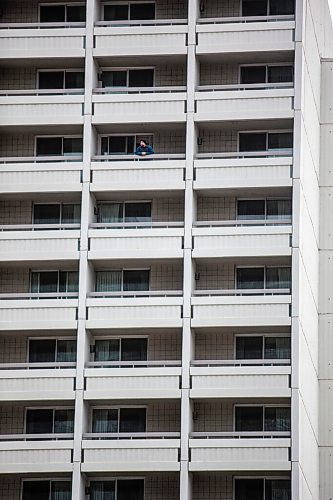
pixel 166 199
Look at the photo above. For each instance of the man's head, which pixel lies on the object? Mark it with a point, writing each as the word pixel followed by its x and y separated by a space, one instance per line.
pixel 143 143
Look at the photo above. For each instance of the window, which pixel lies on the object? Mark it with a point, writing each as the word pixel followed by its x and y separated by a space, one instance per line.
pixel 266 209
pixel 129 11
pixel 118 420
pixel 61 79
pixel 124 212
pixel 262 418
pixel 48 489
pixel 261 347
pixel 268 7
pixel 263 278
pixel 262 489
pixel 62 13
pixel 51 350
pixel 266 74
pixel 56 213
pixel 122 489
pixel 59 146
pixel 124 280
pixel 123 349
pixel 49 421
pixel 128 78
pixel 122 144
pixel 265 141
pixel 54 281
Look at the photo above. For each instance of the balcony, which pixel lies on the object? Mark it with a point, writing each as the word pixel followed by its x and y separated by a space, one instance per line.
pixel 152 38
pixel 36 174
pixel 152 105
pixel 237 378
pixel 160 172
pixel 31 453
pixel 42 40
pixel 132 379
pixel 35 311
pixel 243 102
pixel 37 381
pixel 136 240
pixel 41 107
pixel 148 309
pixel 240 451
pixel 35 242
pixel 243 170
pixel 245 34
pixel 123 452
pixel 216 308
pixel 241 238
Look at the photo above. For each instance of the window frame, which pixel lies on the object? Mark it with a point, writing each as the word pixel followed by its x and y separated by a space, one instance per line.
pixel 135 135
pixel 71 4
pixel 53 408
pixel 125 2
pixel 122 275
pixel 263 335
pixel 51 271
pixel 256 405
pixel 63 70
pixel 99 337
pixel 54 203
pixel 115 407
pixel 119 478
pixel 267 132
pixel 264 478
pixel 62 137
pixel 123 203
pixel 50 479
pixel 265 199
pixel 127 69
pixel 48 338
pixel 266 65
pixel 268 8
pixel 260 267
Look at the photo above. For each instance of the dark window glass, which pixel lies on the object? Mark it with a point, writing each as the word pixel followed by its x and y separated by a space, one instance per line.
pixel 73 146
pixel 138 212
pixel 277 348
pixel 280 140
pixel 130 144
pixel 254 8
pixel 250 278
pixel 130 489
pixel 51 80
pixel 42 350
pixel 277 489
pixel 52 14
pixel 61 490
pixel 104 145
pixel 253 74
pixel 76 13
pixel 250 209
pixel 282 7
pixel 71 214
pixel 252 141
pixel 249 489
pixel 278 277
pixel 46 214
pixel 277 419
pixel 39 421
pixel 142 11
pixel 136 280
pixel 33 490
pixel 141 78
pixel 63 421
pixel 116 12
pixel 117 145
pixel 48 281
pixel 132 420
pixel 249 418
pixel 133 349
pixel 105 420
pixel 66 351
pixel 280 74
pixel 249 347
pixel 68 281
pixel 107 350
pixel 74 80
pixel 49 146
pixel 278 209
pixel 114 78
pixel 102 490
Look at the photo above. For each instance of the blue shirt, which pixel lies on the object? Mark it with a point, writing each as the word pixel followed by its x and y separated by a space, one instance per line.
pixel 144 149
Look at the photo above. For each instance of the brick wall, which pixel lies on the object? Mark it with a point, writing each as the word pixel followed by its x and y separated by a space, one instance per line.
pixel 219 74
pixel 18 78
pixel 170 75
pixel 13 349
pixel 162 487
pixel 163 416
pixel 14 280
pixel 17 145
pixel 220 8
pixel 169 142
pixel 171 9
pixel 209 346
pixel 10 487
pixel 218 141
pixel 15 212
pixel 11 419
pixel 165 346
pixel 215 276
pixel 216 208
pixel 212 487
pixel 166 276
pixel 213 416
pixel 168 209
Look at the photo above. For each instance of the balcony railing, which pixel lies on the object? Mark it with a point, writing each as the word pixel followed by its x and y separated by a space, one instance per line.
pixel 34 296
pixel 241 435
pixel 139 90
pixel 59 365
pixel 241 362
pixel 242 292
pixel 41 92
pixel 39 159
pixel 132 435
pixel 37 437
pixel 38 227
pixel 143 22
pixel 132 364
pixel 241 223
pixel 133 157
pixel 247 19
pixel 134 225
pixel 30 26
pixel 133 294
pixel 244 87
pixel 247 154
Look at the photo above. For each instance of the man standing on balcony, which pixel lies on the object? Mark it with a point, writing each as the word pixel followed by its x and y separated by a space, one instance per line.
pixel 144 149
